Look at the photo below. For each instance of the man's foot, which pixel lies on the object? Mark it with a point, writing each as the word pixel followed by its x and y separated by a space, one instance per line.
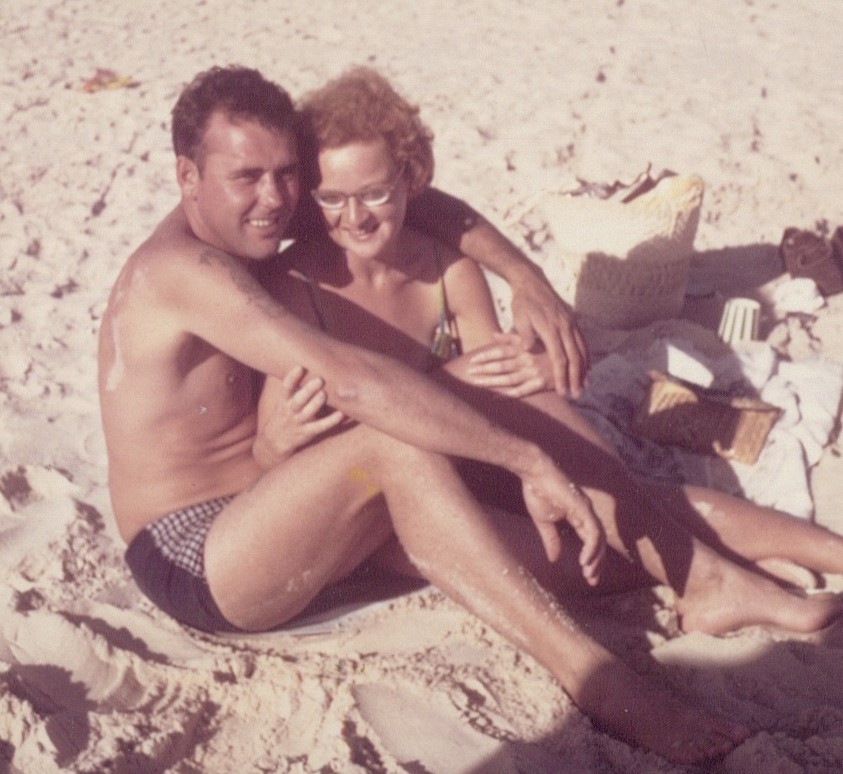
pixel 645 716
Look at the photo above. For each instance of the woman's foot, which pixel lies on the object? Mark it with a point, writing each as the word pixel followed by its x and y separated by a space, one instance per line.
pixel 727 597
pixel 791 573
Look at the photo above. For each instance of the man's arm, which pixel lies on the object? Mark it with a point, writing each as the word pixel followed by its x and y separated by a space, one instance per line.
pixel 225 305
pixel 537 310
pixel 215 298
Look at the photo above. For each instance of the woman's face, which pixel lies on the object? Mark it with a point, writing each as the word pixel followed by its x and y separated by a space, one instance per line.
pixel 362 178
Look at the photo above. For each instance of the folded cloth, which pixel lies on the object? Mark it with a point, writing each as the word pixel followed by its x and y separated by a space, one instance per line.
pixel 807 393
pixel 815 386
pixel 798 295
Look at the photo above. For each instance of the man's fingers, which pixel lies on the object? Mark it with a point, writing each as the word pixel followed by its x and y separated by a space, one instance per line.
pixel 578 359
pixel 554 346
pixel 591 568
pixel 539 327
pixel 551 539
pixel 591 558
pixel 524 324
pixel 590 531
pixel 554 325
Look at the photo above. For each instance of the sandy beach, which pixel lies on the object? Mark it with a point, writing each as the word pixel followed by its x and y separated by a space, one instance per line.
pixel 523 97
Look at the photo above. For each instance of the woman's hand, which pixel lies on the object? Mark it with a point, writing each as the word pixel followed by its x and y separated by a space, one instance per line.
pixel 506 365
pixel 539 313
pixel 293 417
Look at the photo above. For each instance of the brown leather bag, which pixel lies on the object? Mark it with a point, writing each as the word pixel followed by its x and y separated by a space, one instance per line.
pixel 806 254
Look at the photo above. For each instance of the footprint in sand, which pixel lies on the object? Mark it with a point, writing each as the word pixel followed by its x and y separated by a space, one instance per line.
pixel 419 731
pixel 68 666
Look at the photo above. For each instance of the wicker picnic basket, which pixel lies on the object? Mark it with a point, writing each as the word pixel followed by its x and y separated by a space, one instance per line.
pixel 628 260
pixel 680 414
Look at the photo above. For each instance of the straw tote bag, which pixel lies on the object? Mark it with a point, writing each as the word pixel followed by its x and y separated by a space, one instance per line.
pixel 628 258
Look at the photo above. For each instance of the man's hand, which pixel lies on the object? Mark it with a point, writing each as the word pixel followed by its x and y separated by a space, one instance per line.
pixel 551 499
pixel 539 313
pixel 294 419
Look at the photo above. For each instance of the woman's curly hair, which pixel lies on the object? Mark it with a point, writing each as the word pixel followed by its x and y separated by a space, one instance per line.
pixel 361 105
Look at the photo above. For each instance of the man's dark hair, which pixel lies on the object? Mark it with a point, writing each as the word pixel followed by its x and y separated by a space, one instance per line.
pixel 237 91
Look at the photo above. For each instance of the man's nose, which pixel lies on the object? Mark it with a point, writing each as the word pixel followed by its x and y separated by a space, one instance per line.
pixel 270 191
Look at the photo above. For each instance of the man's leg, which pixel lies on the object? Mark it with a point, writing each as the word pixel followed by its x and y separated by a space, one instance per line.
pixel 314 518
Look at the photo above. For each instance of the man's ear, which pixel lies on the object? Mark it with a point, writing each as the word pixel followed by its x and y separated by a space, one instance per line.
pixel 187 175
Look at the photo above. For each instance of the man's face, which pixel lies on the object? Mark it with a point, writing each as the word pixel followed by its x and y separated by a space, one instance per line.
pixel 243 198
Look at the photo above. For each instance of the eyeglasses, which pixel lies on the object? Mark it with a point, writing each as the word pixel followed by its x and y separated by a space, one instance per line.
pixel 373 196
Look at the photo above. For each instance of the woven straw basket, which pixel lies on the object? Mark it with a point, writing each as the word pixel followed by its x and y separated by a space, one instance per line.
pixel 629 261
pixel 704 422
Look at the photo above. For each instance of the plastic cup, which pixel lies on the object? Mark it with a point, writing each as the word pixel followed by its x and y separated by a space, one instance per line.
pixel 739 321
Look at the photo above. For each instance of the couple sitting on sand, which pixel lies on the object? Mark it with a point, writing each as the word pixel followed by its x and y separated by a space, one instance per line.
pixel 398 430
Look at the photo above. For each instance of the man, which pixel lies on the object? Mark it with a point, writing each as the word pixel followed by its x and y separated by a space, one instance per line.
pixel 223 546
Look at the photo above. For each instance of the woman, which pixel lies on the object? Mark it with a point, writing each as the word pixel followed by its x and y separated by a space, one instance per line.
pixel 379 284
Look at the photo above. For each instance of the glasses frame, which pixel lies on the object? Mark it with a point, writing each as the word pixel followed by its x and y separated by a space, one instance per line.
pixel 389 190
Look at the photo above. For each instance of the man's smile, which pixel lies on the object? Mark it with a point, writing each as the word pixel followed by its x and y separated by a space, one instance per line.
pixel 263 222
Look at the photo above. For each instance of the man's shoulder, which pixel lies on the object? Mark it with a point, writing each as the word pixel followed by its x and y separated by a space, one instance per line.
pixel 168 252
pixel 172 238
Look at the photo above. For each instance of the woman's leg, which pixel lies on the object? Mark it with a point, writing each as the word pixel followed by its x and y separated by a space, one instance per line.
pixel 715 594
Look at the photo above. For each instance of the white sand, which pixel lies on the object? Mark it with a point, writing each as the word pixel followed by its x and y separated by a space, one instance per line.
pixel 522 96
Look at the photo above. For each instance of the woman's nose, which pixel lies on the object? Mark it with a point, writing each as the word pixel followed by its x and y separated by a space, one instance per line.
pixel 355 211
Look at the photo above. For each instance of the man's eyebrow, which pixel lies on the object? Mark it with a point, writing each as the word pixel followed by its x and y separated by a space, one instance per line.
pixel 257 171
pixel 246 171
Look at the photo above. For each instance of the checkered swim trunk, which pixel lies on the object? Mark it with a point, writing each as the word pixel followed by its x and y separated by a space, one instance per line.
pixel 166 559
pixel 180 535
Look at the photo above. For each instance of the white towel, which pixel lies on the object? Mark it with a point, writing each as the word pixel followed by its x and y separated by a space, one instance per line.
pixel 809 392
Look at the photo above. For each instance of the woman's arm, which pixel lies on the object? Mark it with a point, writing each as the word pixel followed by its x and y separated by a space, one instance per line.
pixel 538 311
pixel 491 359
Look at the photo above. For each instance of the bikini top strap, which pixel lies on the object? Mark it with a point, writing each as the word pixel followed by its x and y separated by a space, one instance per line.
pixel 313 295
pixel 446 343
